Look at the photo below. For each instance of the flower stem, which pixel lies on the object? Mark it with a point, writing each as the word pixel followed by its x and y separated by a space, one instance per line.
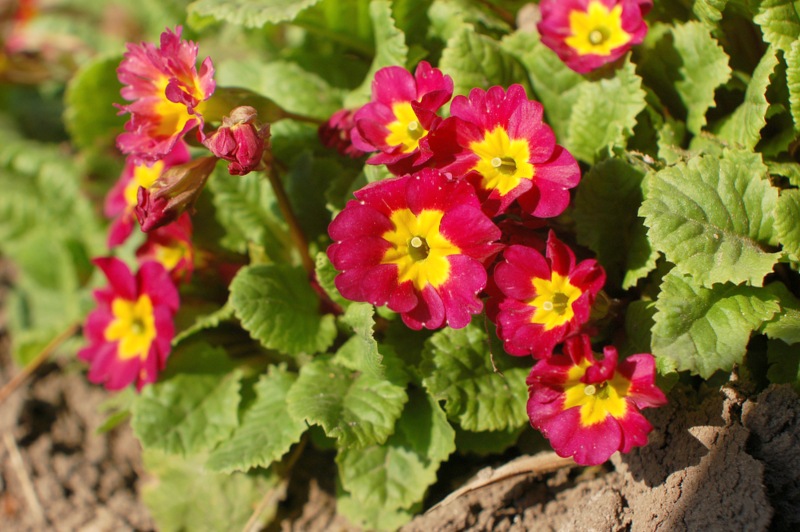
pixel 40 359
pixel 296 233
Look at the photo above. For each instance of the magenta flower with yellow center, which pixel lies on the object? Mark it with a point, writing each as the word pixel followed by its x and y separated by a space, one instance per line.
pixel 543 300
pixel 587 34
pixel 402 112
pixel 417 244
pixel 121 200
pixel 167 95
pixel 498 141
pixel 171 246
pixel 130 330
pixel 588 407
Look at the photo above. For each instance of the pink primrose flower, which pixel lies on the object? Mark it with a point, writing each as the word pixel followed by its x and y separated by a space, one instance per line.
pixel 544 299
pixel 418 244
pixel 336 133
pixel 130 330
pixel 589 408
pixel 402 112
pixel 587 34
pixel 121 199
pixel 171 246
pixel 497 139
pixel 166 92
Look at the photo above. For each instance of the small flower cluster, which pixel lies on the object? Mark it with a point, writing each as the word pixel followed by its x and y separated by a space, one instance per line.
pixel 130 331
pixel 456 227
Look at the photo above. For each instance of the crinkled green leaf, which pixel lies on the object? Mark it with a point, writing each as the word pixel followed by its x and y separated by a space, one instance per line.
pixel 395 475
pixel 447 18
pixel 326 274
pixel 554 84
pixel 278 307
pixel 779 21
pixel 187 496
pixel 789 170
pixel 390 50
pixel 786 324
pixel 188 413
pixel 704 68
pixel 604 113
pixel 704 330
pixel 358 410
pixel 787 215
pixel 475 60
pixel 251 13
pixel 266 432
pixel 709 11
pixel 205 321
pixel 90 115
pixel 457 369
pixel 247 209
pixel 745 124
pixel 793 80
pixel 610 232
pixel 784 363
pixel 488 441
pixel 360 352
pixel 713 217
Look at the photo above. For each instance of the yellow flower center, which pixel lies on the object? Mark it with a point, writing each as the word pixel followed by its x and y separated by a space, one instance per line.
pixel 418 248
pixel 406 129
pixel 170 256
pixel 598 400
pixel 143 176
pixel 133 326
pixel 503 163
pixel 597 31
pixel 174 116
pixel 553 301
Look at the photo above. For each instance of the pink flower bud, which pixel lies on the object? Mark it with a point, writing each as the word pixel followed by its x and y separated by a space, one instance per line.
pixel 240 140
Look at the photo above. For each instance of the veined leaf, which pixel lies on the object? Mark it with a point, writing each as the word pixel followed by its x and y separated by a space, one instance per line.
pixel 787 214
pixel 278 307
pixel 188 413
pixel 360 352
pixel 704 68
pixel 604 113
pixel 475 60
pixel 704 330
pixel 251 13
pixel 395 475
pixel 745 124
pixel 390 50
pixel 358 410
pixel 785 325
pixel 792 57
pixel 457 368
pixel 266 432
pixel 779 21
pixel 712 217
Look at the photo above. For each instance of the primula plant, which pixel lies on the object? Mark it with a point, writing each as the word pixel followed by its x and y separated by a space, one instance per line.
pixel 397 235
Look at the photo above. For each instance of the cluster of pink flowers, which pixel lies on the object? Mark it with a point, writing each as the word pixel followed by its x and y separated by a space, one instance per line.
pixel 130 331
pixel 456 228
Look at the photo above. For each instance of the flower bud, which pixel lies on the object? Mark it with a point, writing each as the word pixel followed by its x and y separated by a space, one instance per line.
pixel 240 140
pixel 173 193
pixel 335 133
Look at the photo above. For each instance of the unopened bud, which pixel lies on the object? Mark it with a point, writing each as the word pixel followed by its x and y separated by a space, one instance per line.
pixel 240 140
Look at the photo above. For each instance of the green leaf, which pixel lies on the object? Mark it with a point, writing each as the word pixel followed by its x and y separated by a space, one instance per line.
pixel 187 496
pixel 187 413
pixel 390 50
pixel 786 324
pixel 555 84
pixel 610 232
pixel 604 114
pixel 475 60
pixel 326 274
pixel 204 322
pixel 793 80
pixel 393 476
pixel 358 410
pixel 787 214
pixel 784 363
pixel 709 11
pixel 90 116
pixel 457 369
pixel 487 442
pixel 360 352
pixel 266 432
pixel 779 21
pixel 712 217
pixel 638 327
pixel 704 330
pixel 704 68
pixel 278 307
pixel 745 124
pixel 251 13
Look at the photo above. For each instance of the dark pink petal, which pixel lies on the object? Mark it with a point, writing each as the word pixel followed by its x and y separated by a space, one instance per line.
pixel 155 281
pixel 393 84
pixel 641 371
pixel 560 256
pixel 358 221
pixel 459 293
pixel 428 313
pixel 635 429
pixel 120 278
pixel 355 253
